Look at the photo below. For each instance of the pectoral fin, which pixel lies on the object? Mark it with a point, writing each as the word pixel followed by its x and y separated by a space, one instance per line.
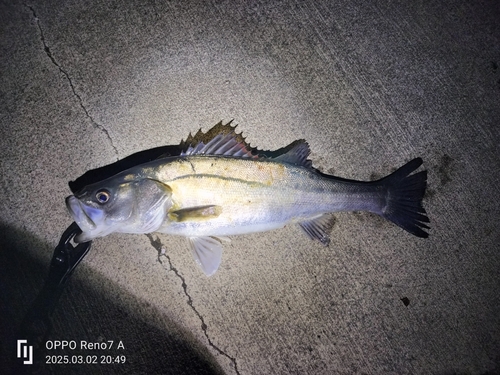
pixel 207 253
pixel 198 213
pixel 319 228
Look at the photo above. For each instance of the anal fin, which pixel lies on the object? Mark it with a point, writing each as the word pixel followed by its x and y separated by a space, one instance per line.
pixel 207 253
pixel 319 227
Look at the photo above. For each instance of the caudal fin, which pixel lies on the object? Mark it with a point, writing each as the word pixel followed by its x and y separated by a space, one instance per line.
pixel 404 198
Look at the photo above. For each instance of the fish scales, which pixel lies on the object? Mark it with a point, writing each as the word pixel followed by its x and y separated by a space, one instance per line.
pixel 244 183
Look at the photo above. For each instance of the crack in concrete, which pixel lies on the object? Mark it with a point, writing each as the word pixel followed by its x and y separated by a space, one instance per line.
pixel 65 73
pixel 161 252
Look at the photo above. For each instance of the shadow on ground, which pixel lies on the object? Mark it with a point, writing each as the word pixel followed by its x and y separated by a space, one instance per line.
pixel 87 311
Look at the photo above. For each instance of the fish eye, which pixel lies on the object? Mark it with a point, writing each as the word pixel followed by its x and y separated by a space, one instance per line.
pixel 102 196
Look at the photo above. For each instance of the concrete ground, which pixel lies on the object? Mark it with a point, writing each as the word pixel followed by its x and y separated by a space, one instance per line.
pixel 369 85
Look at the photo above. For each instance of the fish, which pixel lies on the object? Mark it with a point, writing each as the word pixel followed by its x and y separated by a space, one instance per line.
pixel 219 186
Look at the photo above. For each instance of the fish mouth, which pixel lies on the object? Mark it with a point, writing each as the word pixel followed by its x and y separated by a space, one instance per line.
pixel 79 213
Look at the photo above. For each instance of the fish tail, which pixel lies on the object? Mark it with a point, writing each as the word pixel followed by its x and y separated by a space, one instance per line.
pixel 404 193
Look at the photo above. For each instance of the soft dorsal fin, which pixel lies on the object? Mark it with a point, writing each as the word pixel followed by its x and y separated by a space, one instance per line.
pixel 219 140
pixel 297 153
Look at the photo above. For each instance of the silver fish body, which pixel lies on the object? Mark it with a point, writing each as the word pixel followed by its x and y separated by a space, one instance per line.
pixel 249 196
pixel 222 188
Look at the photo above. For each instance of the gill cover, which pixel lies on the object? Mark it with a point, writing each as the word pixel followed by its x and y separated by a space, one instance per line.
pixel 114 205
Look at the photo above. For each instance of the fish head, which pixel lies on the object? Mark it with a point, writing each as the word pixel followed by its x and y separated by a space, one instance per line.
pixel 119 204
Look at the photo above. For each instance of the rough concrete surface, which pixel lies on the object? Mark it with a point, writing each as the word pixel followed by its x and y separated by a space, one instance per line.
pixel 369 85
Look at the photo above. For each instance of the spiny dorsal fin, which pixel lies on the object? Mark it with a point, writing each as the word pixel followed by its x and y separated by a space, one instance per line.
pixel 219 140
pixel 223 140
